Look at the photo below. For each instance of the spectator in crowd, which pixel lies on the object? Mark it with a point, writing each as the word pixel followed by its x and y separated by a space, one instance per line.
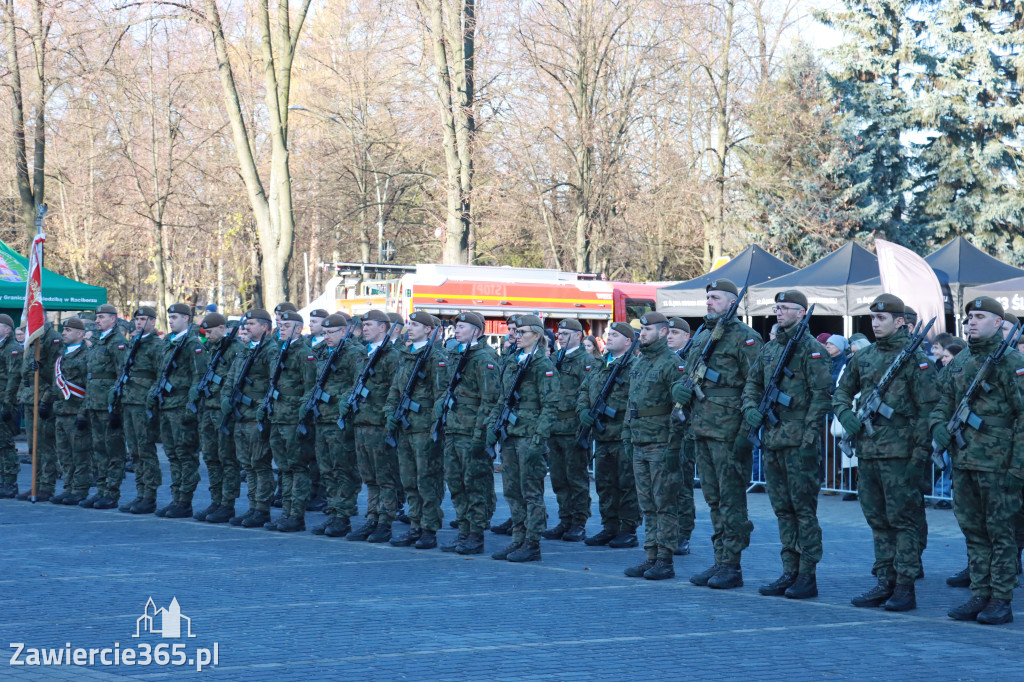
pixel 823 338
pixel 836 346
pixel 858 342
pixel 773 332
pixel 949 350
pixel 593 346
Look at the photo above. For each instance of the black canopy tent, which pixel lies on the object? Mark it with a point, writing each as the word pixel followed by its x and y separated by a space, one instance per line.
pixel 1009 292
pixel 751 266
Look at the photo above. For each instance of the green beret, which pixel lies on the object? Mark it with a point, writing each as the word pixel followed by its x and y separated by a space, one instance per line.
pixel 424 318
pixel 679 323
pixel 74 323
pixel 145 311
pixel 106 308
pixel 337 321
pixel 529 321
pixel 909 314
pixel 87 315
pixel 319 312
pixel 624 329
pixel 6 319
pixel 475 319
pixel 1010 317
pixel 887 303
pixel 376 316
pixel 722 285
pixel 792 296
pixel 396 319
pixel 180 308
pixel 259 314
pixel 513 319
pixel 291 316
pixel 653 318
pixel 985 303
pixel 212 320
pixel 571 325
pixel 287 305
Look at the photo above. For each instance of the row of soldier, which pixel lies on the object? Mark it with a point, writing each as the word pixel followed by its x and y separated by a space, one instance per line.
pixel 406 419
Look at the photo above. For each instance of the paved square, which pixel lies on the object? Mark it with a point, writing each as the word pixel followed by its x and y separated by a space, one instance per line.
pixel 290 606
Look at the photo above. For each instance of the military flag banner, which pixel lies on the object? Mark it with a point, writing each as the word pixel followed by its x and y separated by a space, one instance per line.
pixel 907 275
pixel 35 314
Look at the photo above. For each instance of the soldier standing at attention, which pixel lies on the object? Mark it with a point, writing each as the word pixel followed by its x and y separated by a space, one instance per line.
pixel 184 363
pixel 21 388
pixel 654 446
pixel 105 360
pixel 678 337
pixel 988 470
pixel 10 360
pixel 253 452
pixel 139 434
pixel 791 446
pixel 420 459
pixel 567 461
pixel 74 445
pixel 508 352
pixel 892 460
pixel 316 332
pixel 378 464
pixel 523 451
pixel 613 467
pixel 218 448
pixel 724 455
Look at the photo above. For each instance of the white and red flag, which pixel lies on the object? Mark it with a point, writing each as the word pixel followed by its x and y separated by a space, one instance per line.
pixel 35 314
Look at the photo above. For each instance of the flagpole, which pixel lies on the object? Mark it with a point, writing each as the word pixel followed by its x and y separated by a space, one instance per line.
pixel 35 422
pixel 40 212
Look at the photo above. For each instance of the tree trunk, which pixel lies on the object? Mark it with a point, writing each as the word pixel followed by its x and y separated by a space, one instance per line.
pixel 713 245
pixel 26 197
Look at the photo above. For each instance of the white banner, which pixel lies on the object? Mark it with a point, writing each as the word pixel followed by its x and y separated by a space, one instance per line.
pixel 907 275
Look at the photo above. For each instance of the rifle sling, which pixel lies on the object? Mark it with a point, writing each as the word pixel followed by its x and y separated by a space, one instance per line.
pixel 656 411
pixel 565 414
pixel 722 392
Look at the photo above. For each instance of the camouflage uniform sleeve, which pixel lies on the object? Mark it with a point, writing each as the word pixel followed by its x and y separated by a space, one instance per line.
pixel 394 391
pixel 752 351
pixel 948 397
pixel 200 360
pixel 925 394
pixel 548 389
pixel 490 391
pixel 1015 397
pixel 583 397
pixel 819 382
pixel 754 388
pixel 848 387
pixel 13 378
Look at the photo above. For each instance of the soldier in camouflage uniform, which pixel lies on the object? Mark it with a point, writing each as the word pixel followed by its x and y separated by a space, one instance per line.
pixel 654 446
pixel 336 449
pixel 21 388
pixel 988 471
pixel 279 413
pixel 892 460
pixel 724 455
pixel 420 458
pixel 468 470
pixel 508 353
pixel 105 360
pixel 567 461
pixel 378 464
pixel 613 467
pixel 252 450
pixel 218 448
pixel 72 428
pixel 315 339
pixel 183 364
pixel 791 446
pixel 678 337
pixel 10 360
pixel 523 451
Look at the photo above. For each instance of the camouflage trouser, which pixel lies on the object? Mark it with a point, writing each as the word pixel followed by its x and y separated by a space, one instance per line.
pixel 685 509
pixel 1018 525
pixel 108 454
pixel 793 480
pixel 10 467
pixel 336 456
pixel 75 455
pixel 469 473
pixel 616 487
pixel 984 507
pixel 254 457
pixel 139 436
pixel 925 486
pixel 47 469
pixel 378 467
pixel 522 478
pixel 570 480
pixel 219 456
pixel 421 465
pixel 656 468
pixel 724 476
pixel 179 432
pixel 292 460
pixel 890 499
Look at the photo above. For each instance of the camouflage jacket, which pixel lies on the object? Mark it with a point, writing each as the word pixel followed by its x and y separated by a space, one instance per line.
pixel 718 416
pixel 21 384
pixel 617 398
pixel 575 366
pixel 220 372
pixel 912 395
pixel 429 388
pixel 74 367
pixel 255 383
pixel 477 392
pixel 338 383
pixel 649 409
pixel 810 386
pixel 147 364
pixel 295 381
pixel 187 369
pixel 105 360
pixel 998 446
pixel 538 398
pixel 371 408
pixel 320 349
pixel 10 362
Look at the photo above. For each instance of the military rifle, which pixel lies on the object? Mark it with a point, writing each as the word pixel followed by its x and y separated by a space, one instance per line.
pixel 319 395
pixel 126 372
pixel 600 408
pixel 875 403
pixel 507 417
pixel 267 406
pixel 210 377
pixel 407 404
pixel 163 384
pixel 359 390
pixel 448 402
pixel 237 396
pixel 963 416
pixel 773 395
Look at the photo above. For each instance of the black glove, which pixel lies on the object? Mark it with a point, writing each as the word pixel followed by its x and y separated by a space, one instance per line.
pixel 45 410
pixel 115 422
pixel 34 366
pixel 81 423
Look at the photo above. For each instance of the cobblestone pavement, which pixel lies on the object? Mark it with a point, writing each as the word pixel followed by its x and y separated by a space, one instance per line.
pixel 289 606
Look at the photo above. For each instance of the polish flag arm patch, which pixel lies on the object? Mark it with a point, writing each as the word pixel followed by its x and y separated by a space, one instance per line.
pixel 924 365
pixel 549 373
pixel 681 368
pixel 1020 372
pixel 199 350
pixel 750 342
pixel 815 355
pixel 441 363
pixel 490 365
pixel 311 357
